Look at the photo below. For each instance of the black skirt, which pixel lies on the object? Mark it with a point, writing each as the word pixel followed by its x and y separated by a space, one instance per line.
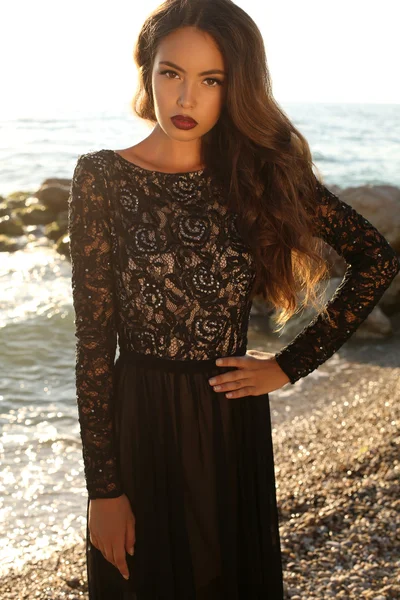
pixel 198 470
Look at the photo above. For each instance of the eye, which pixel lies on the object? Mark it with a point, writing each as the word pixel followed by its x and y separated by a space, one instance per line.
pixel 216 81
pixel 168 71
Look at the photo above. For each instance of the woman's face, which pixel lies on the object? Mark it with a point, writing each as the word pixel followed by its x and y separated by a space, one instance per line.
pixel 179 87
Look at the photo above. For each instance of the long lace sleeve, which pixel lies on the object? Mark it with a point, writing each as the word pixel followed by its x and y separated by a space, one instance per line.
pixel 93 300
pixel 371 266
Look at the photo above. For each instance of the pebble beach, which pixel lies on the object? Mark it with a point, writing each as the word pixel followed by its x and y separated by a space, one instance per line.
pixel 337 474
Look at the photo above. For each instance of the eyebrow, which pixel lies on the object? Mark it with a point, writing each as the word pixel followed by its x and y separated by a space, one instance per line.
pixel 210 72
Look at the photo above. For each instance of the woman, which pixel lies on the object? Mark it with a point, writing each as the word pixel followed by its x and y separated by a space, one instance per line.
pixel 170 241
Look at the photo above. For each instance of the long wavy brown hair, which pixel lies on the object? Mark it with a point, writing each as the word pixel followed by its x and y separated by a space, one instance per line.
pixel 262 161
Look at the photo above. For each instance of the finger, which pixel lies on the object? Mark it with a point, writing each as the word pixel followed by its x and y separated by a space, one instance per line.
pixel 102 549
pixel 130 538
pixel 94 541
pixel 231 376
pixel 230 361
pixel 224 384
pixel 120 561
pixel 242 392
pixel 232 385
pixel 107 553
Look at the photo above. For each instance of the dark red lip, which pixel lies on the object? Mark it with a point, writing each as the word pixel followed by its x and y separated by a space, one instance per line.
pixel 183 122
pixel 184 119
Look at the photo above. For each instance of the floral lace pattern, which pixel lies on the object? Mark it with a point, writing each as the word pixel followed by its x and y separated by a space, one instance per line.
pixel 158 262
pixel 371 266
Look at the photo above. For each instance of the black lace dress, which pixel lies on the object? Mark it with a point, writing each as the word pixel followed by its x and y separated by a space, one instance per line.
pixel 159 270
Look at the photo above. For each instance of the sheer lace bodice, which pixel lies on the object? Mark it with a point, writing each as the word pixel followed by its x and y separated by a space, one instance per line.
pixel 158 263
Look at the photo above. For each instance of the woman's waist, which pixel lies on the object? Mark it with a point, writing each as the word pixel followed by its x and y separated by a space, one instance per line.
pixel 171 363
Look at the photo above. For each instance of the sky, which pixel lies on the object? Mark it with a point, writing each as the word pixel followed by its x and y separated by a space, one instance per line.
pixel 74 55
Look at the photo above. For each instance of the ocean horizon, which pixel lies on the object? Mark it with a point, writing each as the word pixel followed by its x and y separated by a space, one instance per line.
pixel 352 144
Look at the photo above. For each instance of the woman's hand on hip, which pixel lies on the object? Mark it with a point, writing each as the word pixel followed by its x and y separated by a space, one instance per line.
pixel 256 373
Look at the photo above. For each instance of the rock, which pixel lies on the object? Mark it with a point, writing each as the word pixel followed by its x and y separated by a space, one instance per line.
pixel 380 204
pixel 62 246
pixel 10 225
pixel 376 326
pixel 53 231
pixel 8 244
pixel 57 181
pixel 54 195
pixel 4 210
pixel 73 583
pixel 17 199
pixel 390 301
pixel 62 220
pixel 261 307
pixel 36 215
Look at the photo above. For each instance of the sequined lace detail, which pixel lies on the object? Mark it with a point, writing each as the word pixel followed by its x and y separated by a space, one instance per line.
pixel 157 261
pixel 371 266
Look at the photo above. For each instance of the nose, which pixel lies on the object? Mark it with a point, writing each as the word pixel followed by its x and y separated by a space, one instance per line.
pixel 187 95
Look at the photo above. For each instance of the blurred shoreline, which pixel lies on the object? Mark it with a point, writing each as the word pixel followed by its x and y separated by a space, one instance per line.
pixel 353 144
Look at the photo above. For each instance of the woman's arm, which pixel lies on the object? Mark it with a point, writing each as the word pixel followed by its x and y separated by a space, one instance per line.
pixel 371 266
pixel 93 299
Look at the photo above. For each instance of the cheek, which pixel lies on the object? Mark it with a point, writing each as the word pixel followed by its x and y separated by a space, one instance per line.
pixel 161 92
pixel 156 92
pixel 213 106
